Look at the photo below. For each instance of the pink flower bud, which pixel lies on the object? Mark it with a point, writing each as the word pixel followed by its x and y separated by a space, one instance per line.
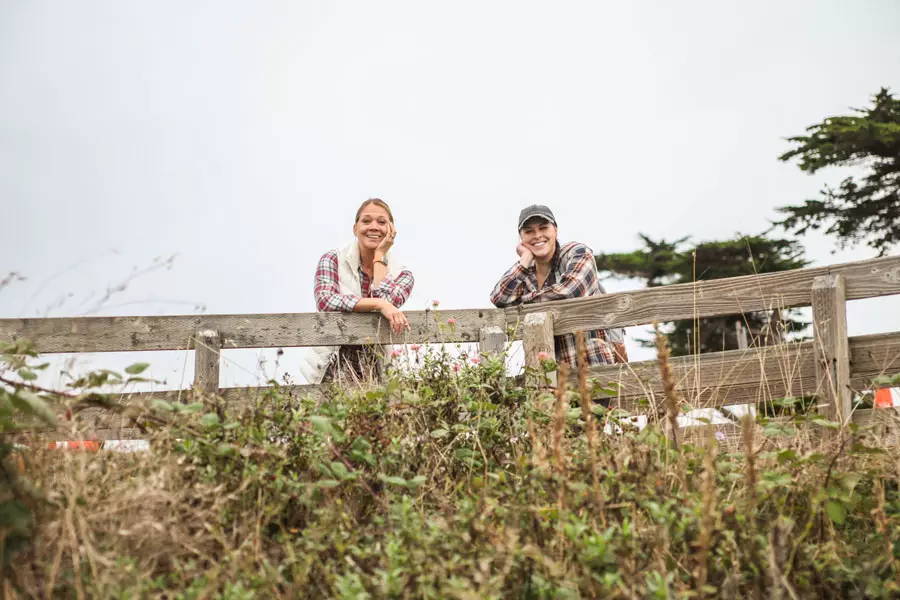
pixel 543 355
pixel 475 360
pixel 415 347
pixel 395 353
pixel 435 303
pixel 451 321
pixel 456 367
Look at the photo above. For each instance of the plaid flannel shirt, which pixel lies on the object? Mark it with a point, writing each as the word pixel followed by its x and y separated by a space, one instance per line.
pixel 328 294
pixel 573 274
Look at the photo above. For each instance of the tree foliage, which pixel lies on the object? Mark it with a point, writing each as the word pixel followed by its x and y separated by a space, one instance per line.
pixel 864 208
pixel 662 262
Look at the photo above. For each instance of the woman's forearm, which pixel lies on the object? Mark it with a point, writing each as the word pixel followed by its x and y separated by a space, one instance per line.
pixel 379 270
pixel 395 318
pixel 369 305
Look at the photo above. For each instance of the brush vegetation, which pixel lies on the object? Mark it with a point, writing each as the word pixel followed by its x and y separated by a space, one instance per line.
pixel 445 483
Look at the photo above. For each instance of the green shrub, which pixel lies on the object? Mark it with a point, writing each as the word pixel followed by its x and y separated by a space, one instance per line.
pixel 444 484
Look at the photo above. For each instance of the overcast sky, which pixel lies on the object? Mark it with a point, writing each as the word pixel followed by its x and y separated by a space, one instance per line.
pixel 239 137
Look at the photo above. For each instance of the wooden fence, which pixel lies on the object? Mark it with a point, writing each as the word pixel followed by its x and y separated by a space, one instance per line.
pixel 831 366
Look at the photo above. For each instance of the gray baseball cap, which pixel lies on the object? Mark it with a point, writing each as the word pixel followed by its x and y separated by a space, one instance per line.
pixel 535 210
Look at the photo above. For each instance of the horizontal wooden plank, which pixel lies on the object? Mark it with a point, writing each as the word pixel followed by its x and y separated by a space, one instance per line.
pixel 735 295
pixel 869 417
pixel 871 356
pixel 864 279
pixel 746 376
pixel 116 334
pixel 717 379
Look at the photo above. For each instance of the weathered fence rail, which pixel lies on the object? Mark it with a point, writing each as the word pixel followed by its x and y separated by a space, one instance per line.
pixel 864 279
pixel 830 366
pixel 756 374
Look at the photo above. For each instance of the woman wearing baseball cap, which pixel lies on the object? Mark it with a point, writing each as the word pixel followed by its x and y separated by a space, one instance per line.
pixel 548 271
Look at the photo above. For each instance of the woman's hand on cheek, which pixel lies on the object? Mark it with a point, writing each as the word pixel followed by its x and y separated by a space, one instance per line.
pixel 526 258
pixel 388 240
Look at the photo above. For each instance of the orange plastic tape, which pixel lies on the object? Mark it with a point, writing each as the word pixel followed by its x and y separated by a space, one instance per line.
pixel 86 445
pixel 883 398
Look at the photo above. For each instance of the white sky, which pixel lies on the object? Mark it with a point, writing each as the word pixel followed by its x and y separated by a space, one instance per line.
pixel 241 136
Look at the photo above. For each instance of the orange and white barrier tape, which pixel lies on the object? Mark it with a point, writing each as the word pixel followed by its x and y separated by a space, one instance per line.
pixel 97 445
pixel 886 398
pixel 86 445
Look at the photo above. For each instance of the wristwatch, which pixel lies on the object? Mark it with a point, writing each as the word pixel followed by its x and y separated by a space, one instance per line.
pixel 381 260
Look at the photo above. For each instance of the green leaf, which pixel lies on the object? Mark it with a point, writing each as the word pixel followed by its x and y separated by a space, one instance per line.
pixel 849 480
pixel 775 478
pixel 158 404
pixel 863 449
pixel 136 368
pixel 225 449
pixel 779 430
pixel 339 469
pixel 374 394
pixel 327 483
pixel 415 482
pixel 31 403
pixel 322 424
pixel 836 511
pixel 27 374
pixel 439 433
pixel 361 444
pixel 392 479
pixel 209 419
pixel 787 455
pixel 14 516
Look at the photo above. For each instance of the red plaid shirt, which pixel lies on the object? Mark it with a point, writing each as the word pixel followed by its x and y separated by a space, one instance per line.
pixel 573 274
pixel 328 294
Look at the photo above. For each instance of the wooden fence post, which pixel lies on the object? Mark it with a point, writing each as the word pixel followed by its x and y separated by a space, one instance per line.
pixel 829 309
pixel 491 340
pixel 537 337
pixel 207 344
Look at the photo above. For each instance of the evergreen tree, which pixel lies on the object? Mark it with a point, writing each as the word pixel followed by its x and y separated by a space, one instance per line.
pixel 860 209
pixel 661 263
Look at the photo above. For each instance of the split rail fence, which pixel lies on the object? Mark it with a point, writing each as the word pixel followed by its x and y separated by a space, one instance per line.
pixel 830 366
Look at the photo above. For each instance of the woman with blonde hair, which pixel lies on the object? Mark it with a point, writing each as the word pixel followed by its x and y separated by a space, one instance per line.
pixel 362 276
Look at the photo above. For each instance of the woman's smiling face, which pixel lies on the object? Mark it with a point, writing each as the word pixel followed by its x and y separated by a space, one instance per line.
pixel 372 226
pixel 539 236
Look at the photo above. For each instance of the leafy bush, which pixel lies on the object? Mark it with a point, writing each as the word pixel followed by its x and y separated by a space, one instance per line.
pixel 445 483
pixel 18 404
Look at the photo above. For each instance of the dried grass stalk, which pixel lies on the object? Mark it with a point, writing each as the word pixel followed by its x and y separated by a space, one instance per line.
pixel 673 399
